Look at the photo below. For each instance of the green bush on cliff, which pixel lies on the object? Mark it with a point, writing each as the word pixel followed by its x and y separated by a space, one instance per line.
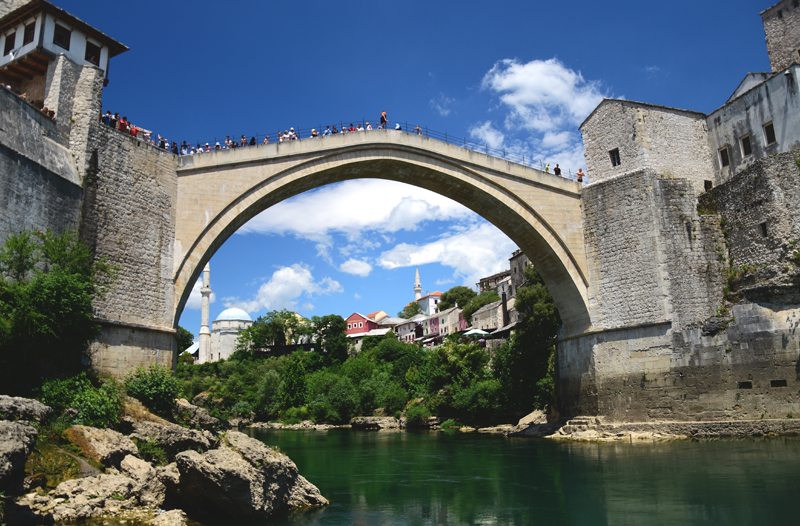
pixel 155 387
pixel 47 285
pixel 94 406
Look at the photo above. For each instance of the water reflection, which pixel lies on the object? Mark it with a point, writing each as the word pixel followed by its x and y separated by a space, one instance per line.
pixel 388 478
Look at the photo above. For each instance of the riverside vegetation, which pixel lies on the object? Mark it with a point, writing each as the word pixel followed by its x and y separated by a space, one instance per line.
pixel 330 384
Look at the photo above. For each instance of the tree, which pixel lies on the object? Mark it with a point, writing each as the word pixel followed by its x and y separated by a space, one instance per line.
pixel 457 295
pixel 185 339
pixel 331 336
pixel 481 300
pixel 275 328
pixel 410 310
pixel 47 284
pixel 524 366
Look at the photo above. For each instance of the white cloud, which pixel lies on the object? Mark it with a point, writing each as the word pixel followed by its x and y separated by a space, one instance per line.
pixel 352 208
pixel 487 134
pixel 284 288
pixel 478 251
pixel 544 103
pixel 357 296
pixel 442 104
pixel 195 301
pixel 354 266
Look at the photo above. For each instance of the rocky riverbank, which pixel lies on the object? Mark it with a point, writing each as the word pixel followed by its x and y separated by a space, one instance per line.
pixel 208 472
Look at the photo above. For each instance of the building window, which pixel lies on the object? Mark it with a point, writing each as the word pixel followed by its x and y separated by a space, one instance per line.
pixel 30 31
pixel 62 37
pixel 614 154
pixel 769 133
pixel 780 13
pixel 360 324
pixel 92 53
pixel 708 185
pixel 348 325
pixel 723 157
pixel 10 41
pixel 747 150
pixel 763 229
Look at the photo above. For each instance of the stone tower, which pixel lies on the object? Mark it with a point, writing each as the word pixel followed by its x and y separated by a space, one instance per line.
pixel 417 287
pixel 205 332
pixel 782 29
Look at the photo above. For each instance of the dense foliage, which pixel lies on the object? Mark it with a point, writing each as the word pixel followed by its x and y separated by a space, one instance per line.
pixel 481 300
pixel 47 283
pixel 155 387
pixel 454 380
pixel 96 406
pixel 410 310
pixel 185 339
pixel 275 328
pixel 458 295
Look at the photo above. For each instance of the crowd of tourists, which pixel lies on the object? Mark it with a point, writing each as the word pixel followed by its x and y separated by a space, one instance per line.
pixel 122 124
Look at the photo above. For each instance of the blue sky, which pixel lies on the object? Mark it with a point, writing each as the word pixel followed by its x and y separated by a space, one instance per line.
pixel 518 75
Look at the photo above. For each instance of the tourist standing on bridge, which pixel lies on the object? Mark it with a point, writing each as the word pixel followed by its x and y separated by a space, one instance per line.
pixel 557 170
pixel 547 168
pixel 417 130
pixel 266 140
pixel 368 127
pixel 314 133
pixel 580 175
pixel 335 131
pixel 384 120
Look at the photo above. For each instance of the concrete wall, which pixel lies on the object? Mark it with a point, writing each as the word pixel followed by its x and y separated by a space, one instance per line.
pixel 782 28
pixel 651 258
pixel 668 141
pixel 776 100
pixel 653 373
pixel 129 217
pixel 39 186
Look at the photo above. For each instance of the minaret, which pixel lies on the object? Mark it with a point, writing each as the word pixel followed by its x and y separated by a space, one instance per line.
pixel 417 287
pixel 205 333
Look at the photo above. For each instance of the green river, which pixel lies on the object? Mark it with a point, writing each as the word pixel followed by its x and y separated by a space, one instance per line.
pixel 433 478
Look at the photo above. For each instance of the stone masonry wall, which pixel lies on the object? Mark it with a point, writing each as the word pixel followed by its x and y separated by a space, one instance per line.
pixel 129 218
pixel 782 29
pixel 668 141
pixel 38 184
pixel 758 208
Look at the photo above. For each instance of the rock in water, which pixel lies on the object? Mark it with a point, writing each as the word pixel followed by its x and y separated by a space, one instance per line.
pixel 244 478
pixel 170 518
pixel 14 408
pixel 103 445
pixel 16 443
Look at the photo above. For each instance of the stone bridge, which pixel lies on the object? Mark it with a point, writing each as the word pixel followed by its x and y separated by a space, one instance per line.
pixel 541 212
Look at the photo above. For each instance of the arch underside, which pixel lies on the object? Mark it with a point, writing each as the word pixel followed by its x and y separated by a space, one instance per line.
pixel 492 196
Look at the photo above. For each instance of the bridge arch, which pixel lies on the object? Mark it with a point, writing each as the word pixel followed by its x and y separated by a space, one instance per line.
pixel 221 191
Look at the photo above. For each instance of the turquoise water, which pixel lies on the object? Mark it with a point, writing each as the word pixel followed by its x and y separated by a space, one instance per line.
pixel 430 478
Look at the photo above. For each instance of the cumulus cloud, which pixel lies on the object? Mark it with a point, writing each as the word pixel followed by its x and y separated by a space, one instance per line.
pixel 352 208
pixel 543 102
pixel 357 296
pixel 354 266
pixel 195 301
pixel 284 288
pixel 487 134
pixel 477 251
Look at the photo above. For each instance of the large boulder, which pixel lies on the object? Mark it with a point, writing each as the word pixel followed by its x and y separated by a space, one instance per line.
pixel 103 445
pixel 374 422
pixel 171 437
pixel 245 478
pixel 16 443
pixel 149 490
pixel 14 408
pixel 169 518
pixel 196 417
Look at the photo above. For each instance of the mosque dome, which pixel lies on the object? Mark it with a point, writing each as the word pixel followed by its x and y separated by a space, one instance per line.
pixel 234 314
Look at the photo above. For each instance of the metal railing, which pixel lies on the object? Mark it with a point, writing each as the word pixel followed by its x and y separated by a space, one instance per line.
pixel 501 153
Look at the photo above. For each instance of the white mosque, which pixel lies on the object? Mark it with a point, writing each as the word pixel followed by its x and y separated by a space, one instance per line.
pixel 220 342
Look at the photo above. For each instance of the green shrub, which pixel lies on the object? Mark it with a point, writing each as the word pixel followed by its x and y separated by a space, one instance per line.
pixel 60 394
pixel 417 415
pixel 99 407
pixel 451 423
pixel 242 409
pixel 152 452
pixel 155 387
